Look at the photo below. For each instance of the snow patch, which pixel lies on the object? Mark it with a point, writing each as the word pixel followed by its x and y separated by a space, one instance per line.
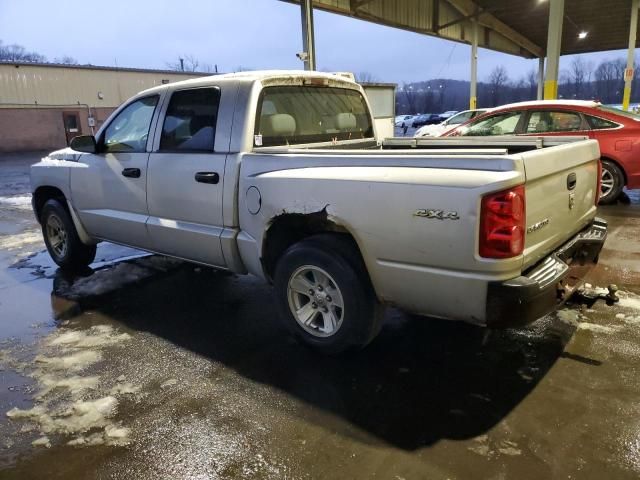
pixel 98 336
pixel 13 242
pixel 103 281
pixel 593 327
pixel 69 403
pixel 42 442
pixel 72 363
pixel 124 389
pixel 568 316
pixel 630 302
pixel 34 412
pixel 169 383
pixel 19 201
pixel 75 385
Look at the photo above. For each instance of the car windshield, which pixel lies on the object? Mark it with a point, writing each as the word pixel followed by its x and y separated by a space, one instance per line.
pixel 290 115
pixel 498 124
pixel 622 113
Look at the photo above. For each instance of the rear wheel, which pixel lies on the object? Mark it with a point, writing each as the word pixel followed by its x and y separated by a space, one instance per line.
pixel 325 297
pixel 611 182
pixel 61 238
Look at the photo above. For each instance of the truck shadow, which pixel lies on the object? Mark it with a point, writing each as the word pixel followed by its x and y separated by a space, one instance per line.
pixel 420 381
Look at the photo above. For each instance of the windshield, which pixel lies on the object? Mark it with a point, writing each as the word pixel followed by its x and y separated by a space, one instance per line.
pixel 622 113
pixel 498 124
pixel 301 114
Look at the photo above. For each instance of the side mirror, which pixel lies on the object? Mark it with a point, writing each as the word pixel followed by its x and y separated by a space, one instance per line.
pixel 83 143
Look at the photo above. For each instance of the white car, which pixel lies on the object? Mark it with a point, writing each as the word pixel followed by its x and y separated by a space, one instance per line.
pixel 402 120
pixel 448 113
pixel 454 120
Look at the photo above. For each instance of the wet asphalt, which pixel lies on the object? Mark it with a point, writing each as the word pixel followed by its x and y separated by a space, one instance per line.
pixel 149 368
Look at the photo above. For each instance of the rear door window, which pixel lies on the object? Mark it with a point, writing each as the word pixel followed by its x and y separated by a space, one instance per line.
pixel 190 122
pixel 546 121
pixel 307 114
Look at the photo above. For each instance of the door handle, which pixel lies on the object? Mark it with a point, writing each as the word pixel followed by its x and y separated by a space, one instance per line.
pixel 571 181
pixel 131 172
pixel 207 177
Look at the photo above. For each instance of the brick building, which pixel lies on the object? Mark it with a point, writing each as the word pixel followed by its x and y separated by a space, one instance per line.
pixel 43 106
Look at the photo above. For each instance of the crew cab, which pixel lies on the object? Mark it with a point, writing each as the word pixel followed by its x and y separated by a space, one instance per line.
pixel 280 174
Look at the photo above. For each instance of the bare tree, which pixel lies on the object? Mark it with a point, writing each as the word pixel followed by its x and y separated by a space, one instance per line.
pixel 365 77
pixel 609 79
pixel 17 53
pixel 579 76
pixel 410 97
pixel 66 60
pixel 185 63
pixel 532 84
pixel 498 80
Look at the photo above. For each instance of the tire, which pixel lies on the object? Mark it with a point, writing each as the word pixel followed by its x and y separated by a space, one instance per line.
pixel 612 182
pixel 324 277
pixel 61 238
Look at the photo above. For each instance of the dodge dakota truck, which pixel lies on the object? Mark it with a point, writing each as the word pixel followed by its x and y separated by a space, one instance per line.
pixel 280 174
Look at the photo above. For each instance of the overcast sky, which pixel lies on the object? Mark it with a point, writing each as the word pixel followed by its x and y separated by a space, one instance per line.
pixel 252 34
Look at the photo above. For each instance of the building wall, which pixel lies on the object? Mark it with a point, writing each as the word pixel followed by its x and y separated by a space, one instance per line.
pixel 33 98
pixel 30 129
pixel 67 85
pixel 25 129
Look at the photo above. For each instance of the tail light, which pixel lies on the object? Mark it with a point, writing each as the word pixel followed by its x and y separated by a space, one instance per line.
pixel 599 183
pixel 502 223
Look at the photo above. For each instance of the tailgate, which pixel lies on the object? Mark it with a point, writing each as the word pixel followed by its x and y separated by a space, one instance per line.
pixel 561 185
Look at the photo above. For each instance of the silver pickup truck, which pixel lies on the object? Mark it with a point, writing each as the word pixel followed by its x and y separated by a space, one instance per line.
pixel 280 174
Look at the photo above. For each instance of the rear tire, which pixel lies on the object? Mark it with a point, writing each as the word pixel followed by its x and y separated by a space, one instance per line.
pixel 612 182
pixel 62 240
pixel 324 295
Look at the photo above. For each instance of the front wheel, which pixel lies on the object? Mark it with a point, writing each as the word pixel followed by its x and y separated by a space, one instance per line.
pixel 325 297
pixel 611 182
pixel 62 240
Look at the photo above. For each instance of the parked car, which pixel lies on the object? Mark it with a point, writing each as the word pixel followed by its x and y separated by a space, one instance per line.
pixel 402 120
pixel 617 132
pixel 448 113
pixel 281 174
pixel 457 119
pixel 426 119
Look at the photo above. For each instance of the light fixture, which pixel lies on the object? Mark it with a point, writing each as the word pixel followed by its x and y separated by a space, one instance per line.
pixel 582 35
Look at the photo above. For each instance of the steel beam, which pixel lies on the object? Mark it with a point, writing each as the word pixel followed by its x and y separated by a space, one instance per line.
pixel 473 89
pixel 540 78
pixel 629 73
pixel 308 39
pixel 554 42
pixel 469 7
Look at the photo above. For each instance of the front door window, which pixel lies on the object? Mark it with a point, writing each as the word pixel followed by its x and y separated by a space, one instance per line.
pixel 128 132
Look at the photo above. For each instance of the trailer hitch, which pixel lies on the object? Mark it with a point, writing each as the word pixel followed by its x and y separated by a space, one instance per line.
pixel 590 297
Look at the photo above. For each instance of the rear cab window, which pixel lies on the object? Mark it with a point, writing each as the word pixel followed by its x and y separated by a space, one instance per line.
pixel 293 115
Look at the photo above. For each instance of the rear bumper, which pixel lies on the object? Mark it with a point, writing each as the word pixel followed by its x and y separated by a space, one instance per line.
pixel 547 285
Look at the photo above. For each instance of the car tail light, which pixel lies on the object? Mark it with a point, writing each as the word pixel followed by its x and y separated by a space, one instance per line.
pixel 599 183
pixel 502 223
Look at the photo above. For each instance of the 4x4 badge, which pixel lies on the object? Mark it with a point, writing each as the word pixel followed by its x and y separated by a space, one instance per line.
pixel 439 214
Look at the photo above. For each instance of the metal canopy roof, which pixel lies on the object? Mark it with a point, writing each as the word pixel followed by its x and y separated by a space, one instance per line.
pixel 518 27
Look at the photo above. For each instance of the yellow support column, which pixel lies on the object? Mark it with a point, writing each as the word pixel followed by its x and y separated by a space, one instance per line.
pixel 554 40
pixel 628 73
pixel 473 95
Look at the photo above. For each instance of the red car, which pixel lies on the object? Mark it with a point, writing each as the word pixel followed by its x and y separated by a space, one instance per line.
pixel 617 132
